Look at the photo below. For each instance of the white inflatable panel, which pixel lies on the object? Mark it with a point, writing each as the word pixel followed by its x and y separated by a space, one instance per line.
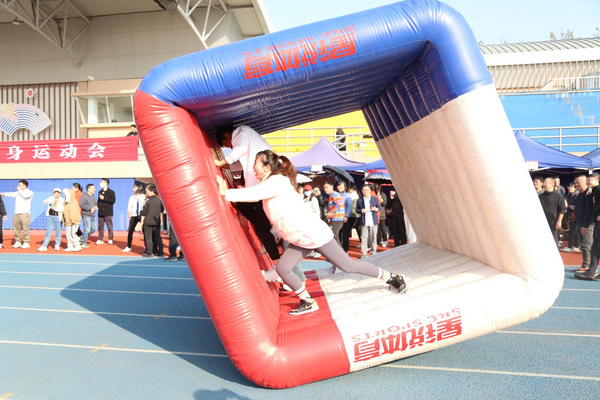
pixel 476 268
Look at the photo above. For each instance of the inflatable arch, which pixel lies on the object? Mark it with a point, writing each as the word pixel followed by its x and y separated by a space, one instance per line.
pixel 485 259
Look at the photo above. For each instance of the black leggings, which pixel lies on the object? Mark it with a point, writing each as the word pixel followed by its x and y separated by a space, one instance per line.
pixel 332 252
pixel 255 213
pixel 347 233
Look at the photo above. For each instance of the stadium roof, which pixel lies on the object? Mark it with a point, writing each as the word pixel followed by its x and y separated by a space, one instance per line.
pixel 250 14
pixel 551 45
pixel 551 51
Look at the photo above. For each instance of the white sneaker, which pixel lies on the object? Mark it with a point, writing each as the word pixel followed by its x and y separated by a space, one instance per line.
pixel 69 248
pixel 126 249
pixel 271 275
pixel 576 249
pixel 384 244
pixel 1 247
pixel 567 250
pixel 110 242
pixel 43 248
pixel 306 306
pixel 316 254
pixel 56 248
pixel 17 245
pixel 99 242
pixel 76 248
pixel 26 245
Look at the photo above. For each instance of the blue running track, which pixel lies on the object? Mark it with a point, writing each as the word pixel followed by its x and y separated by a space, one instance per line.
pixel 106 327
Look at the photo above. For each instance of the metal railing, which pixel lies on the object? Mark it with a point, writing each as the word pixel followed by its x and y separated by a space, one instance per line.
pixel 355 140
pixel 565 136
pixel 574 83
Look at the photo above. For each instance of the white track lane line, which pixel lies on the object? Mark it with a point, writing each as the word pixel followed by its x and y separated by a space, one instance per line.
pixel 95 275
pixel 106 348
pixel 550 334
pixel 99 290
pixel 166 316
pixel 83 264
pixel 102 313
pixel 491 372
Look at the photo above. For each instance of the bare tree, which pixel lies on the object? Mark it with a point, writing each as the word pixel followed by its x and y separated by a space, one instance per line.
pixel 564 35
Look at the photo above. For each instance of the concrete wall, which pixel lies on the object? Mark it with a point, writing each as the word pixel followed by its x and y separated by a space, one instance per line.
pixel 113 47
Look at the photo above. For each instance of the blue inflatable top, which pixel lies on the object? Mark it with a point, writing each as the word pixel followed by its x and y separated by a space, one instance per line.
pixel 405 53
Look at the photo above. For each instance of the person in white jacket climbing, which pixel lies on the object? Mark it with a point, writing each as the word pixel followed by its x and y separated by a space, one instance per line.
pixel 304 230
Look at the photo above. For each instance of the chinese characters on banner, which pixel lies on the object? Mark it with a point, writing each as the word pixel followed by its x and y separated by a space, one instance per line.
pixel 300 53
pixel 70 150
pixel 400 338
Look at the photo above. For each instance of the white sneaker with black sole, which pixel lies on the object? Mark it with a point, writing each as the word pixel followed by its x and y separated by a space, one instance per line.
pixel 306 306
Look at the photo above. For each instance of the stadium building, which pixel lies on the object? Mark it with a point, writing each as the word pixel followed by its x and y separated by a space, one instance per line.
pixel 69 70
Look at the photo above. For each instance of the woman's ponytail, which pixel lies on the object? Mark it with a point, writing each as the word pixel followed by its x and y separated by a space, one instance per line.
pixel 280 165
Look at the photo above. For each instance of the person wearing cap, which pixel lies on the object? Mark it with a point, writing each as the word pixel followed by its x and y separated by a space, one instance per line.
pixel 22 215
pixel 54 212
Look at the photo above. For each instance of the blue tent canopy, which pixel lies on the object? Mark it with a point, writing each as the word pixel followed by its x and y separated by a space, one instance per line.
pixel 378 164
pixel 547 157
pixel 323 153
pixel 594 157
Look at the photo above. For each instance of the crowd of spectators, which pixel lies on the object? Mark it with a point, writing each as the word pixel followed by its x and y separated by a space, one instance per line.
pixel 573 216
pixel 84 213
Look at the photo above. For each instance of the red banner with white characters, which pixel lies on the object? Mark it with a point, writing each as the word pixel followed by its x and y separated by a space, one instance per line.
pixel 70 150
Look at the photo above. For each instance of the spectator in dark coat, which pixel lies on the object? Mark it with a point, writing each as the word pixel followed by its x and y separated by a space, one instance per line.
pixel 3 217
pixel 398 227
pixel 151 218
pixel 106 200
pixel 554 205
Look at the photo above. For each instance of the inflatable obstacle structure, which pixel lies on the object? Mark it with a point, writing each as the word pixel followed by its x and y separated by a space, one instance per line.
pixel 485 259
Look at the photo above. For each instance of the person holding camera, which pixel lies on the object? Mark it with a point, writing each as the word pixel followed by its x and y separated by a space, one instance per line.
pixel 54 212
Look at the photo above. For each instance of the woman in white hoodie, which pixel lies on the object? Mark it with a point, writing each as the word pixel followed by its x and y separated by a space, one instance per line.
pixel 294 222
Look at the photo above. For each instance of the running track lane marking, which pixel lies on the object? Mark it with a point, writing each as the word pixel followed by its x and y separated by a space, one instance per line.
pixel 99 347
pixel 482 371
pixel 75 346
pixel 550 334
pixel 164 315
pixel 96 275
pixel 98 290
pixel 80 264
pixel 104 313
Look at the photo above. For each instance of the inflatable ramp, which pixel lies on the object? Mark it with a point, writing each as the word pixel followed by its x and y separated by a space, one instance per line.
pixel 485 259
